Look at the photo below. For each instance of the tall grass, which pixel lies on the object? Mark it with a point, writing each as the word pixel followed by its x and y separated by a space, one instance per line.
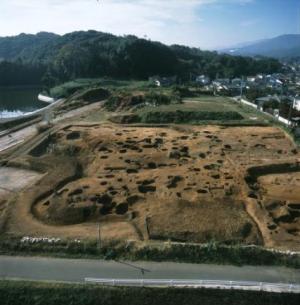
pixel 211 253
pixel 34 293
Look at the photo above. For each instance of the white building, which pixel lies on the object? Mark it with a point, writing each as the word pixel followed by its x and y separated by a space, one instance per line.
pixel 296 104
pixel 203 80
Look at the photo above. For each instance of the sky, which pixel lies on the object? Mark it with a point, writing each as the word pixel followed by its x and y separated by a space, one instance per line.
pixel 207 24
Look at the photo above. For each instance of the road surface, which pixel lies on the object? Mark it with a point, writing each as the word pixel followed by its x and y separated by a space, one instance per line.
pixel 12 139
pixel 72 270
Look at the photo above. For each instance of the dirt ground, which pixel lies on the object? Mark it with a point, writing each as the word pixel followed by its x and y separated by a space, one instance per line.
pixel 12 181
pixel 178 183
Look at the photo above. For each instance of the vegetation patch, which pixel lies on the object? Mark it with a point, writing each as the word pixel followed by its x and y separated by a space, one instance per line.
pixel 125 100
pixel 97 54
pixel 34 293
pixel 184 117
pixel 17 124
pixel 94 95
pixel 82 98
pixel 210 253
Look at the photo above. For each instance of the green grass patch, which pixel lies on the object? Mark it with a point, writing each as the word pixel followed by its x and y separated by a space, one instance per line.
pixel 18 123
pixel 36 293
pixel 187 117
pixel 69 88
pixel 201 110
pixel 121 100
pixel 211 253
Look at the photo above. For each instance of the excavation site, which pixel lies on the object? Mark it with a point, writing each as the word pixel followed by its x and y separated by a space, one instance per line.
pixel 177 183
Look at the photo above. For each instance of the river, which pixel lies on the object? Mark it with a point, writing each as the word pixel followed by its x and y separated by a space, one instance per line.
pixel 16 101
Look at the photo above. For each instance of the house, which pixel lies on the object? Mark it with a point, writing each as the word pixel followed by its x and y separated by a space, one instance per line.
pixel 221 84
pixel 163 81
pixel 273 82
pixel 225 87
pixel 267 102
pixel 202 80
pixel 296 103
pixel 251 79
pixel 237 82
pixel 295 122
pixel 222 81
pixel 259 77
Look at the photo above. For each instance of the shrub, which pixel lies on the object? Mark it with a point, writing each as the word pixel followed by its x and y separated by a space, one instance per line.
pixel 181 117
pixel 42 127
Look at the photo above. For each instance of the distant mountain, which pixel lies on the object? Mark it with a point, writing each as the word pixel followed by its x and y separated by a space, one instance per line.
pixel 240 45
pixel 279 47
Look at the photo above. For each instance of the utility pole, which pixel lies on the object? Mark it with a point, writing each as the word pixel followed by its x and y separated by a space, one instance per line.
pixel 99 236
pixel 291 109
pixel 242 83
pixel 215 90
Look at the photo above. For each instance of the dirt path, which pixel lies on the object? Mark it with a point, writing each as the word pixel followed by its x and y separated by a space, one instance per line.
pixel 14 179
pixel 17 137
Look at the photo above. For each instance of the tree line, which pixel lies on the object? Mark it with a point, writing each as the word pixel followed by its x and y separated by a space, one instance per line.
pixel 52 59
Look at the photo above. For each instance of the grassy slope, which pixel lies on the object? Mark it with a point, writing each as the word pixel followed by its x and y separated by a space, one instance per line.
pixel 33 293
pixel 66 89
pixel 211 253
pixel 210 104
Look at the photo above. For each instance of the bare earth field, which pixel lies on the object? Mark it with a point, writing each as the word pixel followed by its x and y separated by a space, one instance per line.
pixel 183 183
pixel 13 180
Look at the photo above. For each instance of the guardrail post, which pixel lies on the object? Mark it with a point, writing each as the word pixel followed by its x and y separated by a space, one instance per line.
pixel 291 288
pixel 114 282
pixel 261 286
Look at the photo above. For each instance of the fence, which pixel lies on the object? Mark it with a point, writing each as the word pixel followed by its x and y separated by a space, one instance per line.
pixel 240 285
pixel 279 118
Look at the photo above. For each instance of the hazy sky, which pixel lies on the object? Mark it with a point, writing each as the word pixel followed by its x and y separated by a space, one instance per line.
pixel 200 23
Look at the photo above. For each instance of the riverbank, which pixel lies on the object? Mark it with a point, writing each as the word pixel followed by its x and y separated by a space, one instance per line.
pixel 32 114
pixel 17 101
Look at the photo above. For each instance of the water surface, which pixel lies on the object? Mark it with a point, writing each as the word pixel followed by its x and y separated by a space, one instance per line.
pixel 16 101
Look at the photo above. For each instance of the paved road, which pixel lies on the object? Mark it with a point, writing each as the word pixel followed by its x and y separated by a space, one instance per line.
pixel 20 136
pixel 17 137
pixel 52 269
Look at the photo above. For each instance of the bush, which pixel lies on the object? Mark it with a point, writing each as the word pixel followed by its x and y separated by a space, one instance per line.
pixel 42 127
pixel 94 95
pixel 212 253
pixel 182 117
pixel 45 293
pixel 125 100
pixel 65 150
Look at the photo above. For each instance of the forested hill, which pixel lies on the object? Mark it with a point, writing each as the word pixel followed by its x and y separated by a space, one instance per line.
pixel 24 45
pixel 96 54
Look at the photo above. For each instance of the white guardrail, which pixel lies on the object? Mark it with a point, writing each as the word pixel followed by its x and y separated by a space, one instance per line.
pixel 250 286
pixel 279 118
